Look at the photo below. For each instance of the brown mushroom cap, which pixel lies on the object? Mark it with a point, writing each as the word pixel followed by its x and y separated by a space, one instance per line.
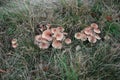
pixel 92 39
pixel 44 45
pixel 59 36
pixel 14 41
pixel 53 30
pixel 68 41
pixel 94 25
pixel 97 37
pixel 78 35
pixel 47 34
pixel 57 44
pixel 88 32
pixel 15 45
pixel 83 37
pixel 61 29
pixel 96 30
pixel 38 38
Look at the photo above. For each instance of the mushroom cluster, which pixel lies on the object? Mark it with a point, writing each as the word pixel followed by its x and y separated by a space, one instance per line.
pixel 90 33
pixel 51 36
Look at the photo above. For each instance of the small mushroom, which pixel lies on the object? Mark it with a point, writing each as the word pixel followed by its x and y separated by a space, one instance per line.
pixel 57 44
pixel 83 37
pixel 68 41
pixel 97 37
pixel 44 45
pixel 61 29
pixel 14 41
pixel 92 39
pixel 15 45
pixel 96 30
pixel 78 35
pixel 94 25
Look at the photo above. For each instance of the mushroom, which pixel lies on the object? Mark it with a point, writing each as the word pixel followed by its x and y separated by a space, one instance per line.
pixel 53 30
pixel 92 39
pixel 38 38
pixel 83 37
pixel 61 29
pixel 88 32
pixel 57 44
pixel 68 41
pixel 14 41
pixel 96 30
pixel 47 34
pixel 78 35
pixel 44 45
pixel 15 45
pixel 59 36
pixel 97 37
pixel 94 25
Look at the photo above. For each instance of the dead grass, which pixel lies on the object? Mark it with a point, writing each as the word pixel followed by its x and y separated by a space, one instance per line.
pixel 100 61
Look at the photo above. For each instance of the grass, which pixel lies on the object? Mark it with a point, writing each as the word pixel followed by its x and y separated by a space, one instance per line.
pixel 79 61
